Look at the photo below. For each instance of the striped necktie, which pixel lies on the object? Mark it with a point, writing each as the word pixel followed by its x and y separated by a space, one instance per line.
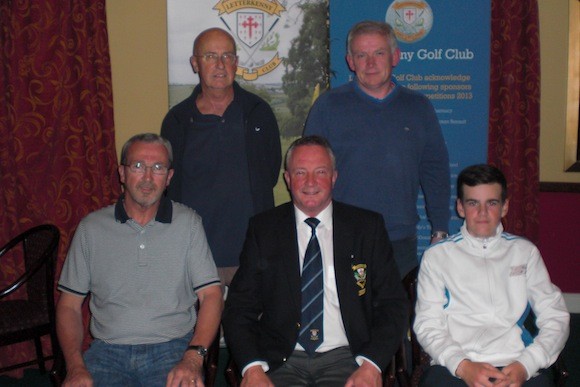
pixel 311 334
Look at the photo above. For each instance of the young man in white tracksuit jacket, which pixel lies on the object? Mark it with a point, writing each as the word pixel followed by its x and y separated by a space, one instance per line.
pixel 475 289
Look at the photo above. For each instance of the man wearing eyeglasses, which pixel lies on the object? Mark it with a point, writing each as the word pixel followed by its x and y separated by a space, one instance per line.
pixel 227 149
pixel 146 263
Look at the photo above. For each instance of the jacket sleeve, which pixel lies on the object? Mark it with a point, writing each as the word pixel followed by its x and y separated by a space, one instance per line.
pixel 552 317
pixel 244 305
pixel 172 131
pixel 273 149
pixel 430 323
pixel 390 305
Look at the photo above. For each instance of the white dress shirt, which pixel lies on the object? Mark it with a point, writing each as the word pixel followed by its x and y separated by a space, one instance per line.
pixel 334 333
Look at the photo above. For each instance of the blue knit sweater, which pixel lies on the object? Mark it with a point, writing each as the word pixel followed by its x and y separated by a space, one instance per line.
pixel 385 150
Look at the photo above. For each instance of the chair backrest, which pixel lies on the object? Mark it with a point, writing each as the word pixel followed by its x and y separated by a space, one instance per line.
pixel 38 247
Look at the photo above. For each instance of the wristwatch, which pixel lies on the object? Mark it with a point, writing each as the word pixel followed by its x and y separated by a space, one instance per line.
pixel 439 234
pixel 201 350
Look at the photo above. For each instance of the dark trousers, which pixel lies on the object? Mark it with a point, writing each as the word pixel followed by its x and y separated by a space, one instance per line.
pixel 437 375
pixel 405 253
pixel 328 369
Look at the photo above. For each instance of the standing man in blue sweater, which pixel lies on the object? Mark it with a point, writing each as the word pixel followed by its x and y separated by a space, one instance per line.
pixel 387 142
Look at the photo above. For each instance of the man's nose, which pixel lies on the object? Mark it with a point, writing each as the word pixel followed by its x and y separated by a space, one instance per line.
pixel 220 61
pixel 148 174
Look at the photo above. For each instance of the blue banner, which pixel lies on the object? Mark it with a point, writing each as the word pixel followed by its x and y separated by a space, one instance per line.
pixel 445 54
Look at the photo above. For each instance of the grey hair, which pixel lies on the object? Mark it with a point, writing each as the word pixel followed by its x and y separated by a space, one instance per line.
pixel 372 27
pixel 148 138
pixel 310 140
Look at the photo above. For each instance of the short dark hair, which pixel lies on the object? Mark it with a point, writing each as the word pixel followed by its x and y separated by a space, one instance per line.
pixel 481 174
pixel 372 27
pixel 149 138
pixel 310 140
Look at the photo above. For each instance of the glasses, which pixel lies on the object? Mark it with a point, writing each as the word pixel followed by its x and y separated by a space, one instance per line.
pixel 140 168
pixel 211 57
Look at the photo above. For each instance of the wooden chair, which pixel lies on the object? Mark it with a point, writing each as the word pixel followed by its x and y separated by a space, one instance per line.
pixel 560 372
pixel 399 370
pixel 27 304
pixel 232 373
pixel 211 362
pixel 558 369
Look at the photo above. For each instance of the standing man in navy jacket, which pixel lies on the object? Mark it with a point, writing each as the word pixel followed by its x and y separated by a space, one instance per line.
pixel 226 147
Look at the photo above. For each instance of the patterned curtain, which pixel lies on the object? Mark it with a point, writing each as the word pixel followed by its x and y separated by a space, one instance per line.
pixel 57 143
pixel 514 123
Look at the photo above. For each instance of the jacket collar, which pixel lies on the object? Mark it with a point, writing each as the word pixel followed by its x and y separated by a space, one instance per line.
pixel 481 242
pixel 164 213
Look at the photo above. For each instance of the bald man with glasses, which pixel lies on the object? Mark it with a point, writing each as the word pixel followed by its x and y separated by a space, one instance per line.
pixel 226 147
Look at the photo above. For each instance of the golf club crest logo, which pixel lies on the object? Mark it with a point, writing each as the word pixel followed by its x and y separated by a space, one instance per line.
pixel 360 275
pixel 411 20
pixel 252 24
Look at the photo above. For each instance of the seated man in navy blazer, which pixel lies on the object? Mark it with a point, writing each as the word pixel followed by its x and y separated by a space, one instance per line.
pixel 317 299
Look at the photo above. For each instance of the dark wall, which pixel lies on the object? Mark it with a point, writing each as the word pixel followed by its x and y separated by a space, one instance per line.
pixel 560 238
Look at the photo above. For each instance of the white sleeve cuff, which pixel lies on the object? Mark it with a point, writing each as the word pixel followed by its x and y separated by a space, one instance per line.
pixel 262 364
pixel 359 360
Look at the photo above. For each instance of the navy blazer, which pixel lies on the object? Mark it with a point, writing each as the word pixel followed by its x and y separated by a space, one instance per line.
pixel 262 314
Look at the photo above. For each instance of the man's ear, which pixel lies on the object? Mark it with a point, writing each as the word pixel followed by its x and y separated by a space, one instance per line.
pixel 505 207
pixel 193 62
pixel 396 57
pixel 169 176
pixel 350 62
pixel 121 170
pixel 460 209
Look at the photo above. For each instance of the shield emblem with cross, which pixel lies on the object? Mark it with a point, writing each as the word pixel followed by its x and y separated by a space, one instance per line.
pixel 409 15
pixel 250 27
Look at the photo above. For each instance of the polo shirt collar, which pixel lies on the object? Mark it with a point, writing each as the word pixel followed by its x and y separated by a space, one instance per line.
pixel 164 212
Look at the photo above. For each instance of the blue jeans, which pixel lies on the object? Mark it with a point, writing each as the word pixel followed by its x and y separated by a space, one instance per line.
pixel 133 365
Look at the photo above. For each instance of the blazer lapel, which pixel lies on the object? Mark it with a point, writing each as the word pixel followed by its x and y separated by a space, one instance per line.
pixel 344 257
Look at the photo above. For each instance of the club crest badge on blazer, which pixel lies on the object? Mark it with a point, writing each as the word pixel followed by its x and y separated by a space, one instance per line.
pixel 360 275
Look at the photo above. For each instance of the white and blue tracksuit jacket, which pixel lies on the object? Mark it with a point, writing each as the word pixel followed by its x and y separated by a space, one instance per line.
pixel 472 295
